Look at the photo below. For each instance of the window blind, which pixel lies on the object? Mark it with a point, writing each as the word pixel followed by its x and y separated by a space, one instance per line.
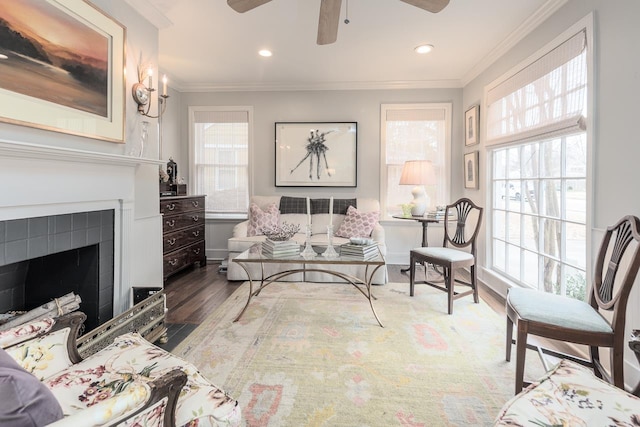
pixel 221 146
pixel 545 98
pixel 415 115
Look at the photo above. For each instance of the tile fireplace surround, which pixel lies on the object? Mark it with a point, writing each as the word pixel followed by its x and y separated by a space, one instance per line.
pixel 40 181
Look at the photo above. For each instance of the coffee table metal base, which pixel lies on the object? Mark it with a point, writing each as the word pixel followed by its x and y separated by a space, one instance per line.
pixel 356 282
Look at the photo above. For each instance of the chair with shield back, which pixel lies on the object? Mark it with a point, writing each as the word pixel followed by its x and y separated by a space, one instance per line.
pixel 462 222
pixel 600 322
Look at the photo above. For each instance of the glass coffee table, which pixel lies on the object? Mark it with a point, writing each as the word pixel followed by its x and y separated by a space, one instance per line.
pixel 304 264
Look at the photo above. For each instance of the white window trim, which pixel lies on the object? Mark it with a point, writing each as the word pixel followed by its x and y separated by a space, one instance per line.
pixel 586 23
pixel 447 107
pixel 191 150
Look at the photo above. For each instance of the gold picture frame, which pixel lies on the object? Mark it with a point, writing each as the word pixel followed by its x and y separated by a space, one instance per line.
pixel 71 83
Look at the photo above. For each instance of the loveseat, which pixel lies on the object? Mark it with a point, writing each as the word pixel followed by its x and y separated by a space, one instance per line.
pixel 266 212
pixel 44 380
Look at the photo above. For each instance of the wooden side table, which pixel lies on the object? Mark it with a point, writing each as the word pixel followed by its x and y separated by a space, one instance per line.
pixel 425 223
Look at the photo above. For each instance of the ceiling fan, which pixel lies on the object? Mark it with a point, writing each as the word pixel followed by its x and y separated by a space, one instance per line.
pixel 330 13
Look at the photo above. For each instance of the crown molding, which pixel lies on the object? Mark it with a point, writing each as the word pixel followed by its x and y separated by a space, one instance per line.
pixel 312 86
pixel 524 29
pixel 151 13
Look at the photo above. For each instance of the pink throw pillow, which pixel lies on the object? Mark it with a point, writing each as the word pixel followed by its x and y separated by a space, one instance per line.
pixel 262 219
pixel 357 224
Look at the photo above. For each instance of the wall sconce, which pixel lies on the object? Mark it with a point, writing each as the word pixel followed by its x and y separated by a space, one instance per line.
pixel 142 94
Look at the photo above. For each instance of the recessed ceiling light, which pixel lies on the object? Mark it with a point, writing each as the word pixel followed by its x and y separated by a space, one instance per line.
pixel 265 52
pixel 424 48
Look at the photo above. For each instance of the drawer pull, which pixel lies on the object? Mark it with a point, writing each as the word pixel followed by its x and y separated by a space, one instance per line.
pixel 195 218
pixel 196 251
pixel 171 206
pixel 195 233
pixel 171 223
pixel 195 203
pixel 173 262
pixel 172 241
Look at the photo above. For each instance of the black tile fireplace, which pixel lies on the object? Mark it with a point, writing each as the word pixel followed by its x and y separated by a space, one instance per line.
pixel 47 257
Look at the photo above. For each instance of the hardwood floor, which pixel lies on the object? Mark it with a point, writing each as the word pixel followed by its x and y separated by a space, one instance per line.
pixel 193 294
pixel 196 292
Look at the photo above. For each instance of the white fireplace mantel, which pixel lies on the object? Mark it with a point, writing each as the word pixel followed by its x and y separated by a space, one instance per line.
pixel 41 180
pixel 44 152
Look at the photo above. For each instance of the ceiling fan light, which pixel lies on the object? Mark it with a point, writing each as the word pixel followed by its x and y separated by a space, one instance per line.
pixel 424 48
pixel 265 52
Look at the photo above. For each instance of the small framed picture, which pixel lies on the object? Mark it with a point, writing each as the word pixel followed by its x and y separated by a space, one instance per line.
pixel 471 169
pixel 471 125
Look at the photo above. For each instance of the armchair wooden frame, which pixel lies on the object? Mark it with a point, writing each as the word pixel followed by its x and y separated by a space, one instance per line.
pixel 451 256
pixel 615 272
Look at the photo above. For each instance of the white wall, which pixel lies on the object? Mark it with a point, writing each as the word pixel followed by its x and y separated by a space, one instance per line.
pixel 615 142
pixel 362 106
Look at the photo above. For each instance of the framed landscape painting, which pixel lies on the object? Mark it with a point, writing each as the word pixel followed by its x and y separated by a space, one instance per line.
pixel 316 154
pixel 62 68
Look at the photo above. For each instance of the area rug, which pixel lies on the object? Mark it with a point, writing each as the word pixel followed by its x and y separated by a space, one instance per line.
pixel 311 354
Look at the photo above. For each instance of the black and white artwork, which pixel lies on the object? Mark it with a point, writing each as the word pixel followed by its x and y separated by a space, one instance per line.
pixel 316 154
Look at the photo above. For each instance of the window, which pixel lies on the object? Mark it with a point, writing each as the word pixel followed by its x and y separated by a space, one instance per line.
pixel 220 139
pixel 414 132
pixel 539 171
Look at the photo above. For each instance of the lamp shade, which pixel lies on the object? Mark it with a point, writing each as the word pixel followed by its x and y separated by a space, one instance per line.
pixel 417 172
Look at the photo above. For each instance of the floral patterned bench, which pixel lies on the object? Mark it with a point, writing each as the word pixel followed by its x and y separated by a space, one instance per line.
pixel 571 395
pixel 130 382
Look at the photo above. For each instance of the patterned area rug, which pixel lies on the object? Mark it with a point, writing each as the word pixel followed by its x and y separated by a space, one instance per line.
pixel 310 354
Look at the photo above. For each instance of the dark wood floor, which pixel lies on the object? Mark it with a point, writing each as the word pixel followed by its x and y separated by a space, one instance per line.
pixel 194 293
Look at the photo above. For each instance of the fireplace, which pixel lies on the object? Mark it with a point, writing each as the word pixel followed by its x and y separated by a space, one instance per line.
pixel 56 180
pixel 43 258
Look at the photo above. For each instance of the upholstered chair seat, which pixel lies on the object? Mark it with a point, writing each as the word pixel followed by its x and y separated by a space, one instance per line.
pixel 445 254
pixel 551 309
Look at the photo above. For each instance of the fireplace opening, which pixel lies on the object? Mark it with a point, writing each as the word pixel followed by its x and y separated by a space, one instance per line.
pixel 64 253
pixel 40 280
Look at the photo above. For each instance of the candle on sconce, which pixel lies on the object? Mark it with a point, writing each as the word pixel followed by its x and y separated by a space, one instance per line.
pixel 331 211
pixel 150 74
pixel 164 85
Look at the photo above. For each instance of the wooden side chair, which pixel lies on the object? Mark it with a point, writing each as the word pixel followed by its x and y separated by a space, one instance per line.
pixel 458 251
pixel 566 319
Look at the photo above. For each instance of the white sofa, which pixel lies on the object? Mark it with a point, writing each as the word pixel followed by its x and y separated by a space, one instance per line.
pixel 240 241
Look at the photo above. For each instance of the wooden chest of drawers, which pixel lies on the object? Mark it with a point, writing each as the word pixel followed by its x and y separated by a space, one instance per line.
pixel 182 233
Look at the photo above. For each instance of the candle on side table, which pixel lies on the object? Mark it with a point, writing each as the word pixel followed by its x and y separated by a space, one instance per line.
pixel 331 211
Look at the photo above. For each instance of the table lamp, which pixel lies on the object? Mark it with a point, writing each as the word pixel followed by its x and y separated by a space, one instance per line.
pixel 418 173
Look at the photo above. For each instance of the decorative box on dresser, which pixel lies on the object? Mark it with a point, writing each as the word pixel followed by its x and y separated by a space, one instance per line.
pixel 182 232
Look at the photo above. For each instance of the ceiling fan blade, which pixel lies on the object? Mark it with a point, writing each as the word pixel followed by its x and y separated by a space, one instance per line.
pixel 242 6
pixel 328 21
pixel 433 6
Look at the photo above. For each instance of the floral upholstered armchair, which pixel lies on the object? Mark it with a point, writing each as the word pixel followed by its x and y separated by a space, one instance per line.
pixel 131 382
pixel 570 394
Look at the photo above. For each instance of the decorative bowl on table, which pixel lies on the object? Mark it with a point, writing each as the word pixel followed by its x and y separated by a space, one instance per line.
pixel 281 234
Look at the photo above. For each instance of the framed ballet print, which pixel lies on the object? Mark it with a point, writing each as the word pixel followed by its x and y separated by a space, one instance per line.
pixel 316 154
